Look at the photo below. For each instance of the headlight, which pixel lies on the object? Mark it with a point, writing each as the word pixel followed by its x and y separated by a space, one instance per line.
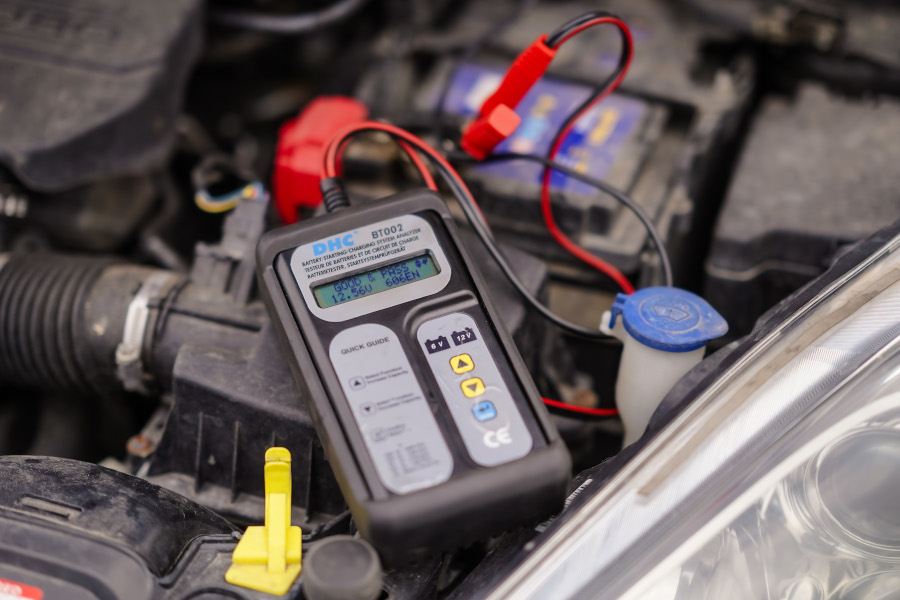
pixel 828 528
pixel 781 481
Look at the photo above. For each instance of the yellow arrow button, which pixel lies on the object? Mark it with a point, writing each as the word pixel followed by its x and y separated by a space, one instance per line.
pixel 472 387
pixel 462 364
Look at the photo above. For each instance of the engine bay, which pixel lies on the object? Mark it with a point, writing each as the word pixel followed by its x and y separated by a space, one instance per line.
pixel 620 193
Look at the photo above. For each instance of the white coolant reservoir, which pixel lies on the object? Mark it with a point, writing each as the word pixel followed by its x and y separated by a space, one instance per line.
pixel 664 331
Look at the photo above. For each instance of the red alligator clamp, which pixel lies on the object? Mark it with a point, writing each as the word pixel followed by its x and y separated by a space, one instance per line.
pixel 301 142
pixel 497 119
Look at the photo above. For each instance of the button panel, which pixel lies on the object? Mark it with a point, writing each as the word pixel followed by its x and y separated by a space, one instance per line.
pixel 479 400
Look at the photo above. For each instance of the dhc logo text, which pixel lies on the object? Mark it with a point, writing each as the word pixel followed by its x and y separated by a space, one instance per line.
pixel 320 248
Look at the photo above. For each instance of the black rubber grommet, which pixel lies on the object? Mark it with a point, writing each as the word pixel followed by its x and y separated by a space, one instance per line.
pixel 341 567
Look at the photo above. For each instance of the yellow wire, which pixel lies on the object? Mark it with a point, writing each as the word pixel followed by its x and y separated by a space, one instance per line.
pixel 204 204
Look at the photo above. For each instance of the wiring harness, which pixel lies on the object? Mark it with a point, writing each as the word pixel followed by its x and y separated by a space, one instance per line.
pixel 335 199
pixel 211 171
pixel 496 121
pixel 497 118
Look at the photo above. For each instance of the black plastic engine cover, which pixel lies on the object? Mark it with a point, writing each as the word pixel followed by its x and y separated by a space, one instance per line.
pixel 817 174
pixel 71 530
pixel 91 88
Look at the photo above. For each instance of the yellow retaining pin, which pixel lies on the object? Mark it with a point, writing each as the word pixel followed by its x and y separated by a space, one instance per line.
pixel 267 558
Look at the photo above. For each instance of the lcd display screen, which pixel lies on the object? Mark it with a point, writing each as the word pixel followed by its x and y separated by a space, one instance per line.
pixel 377 280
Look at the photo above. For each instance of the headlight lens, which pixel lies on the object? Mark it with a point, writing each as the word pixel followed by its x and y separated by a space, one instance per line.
pixel 782 481
pixel 829 529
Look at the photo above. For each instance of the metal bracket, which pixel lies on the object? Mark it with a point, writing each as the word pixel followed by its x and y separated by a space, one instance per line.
pixel 129 362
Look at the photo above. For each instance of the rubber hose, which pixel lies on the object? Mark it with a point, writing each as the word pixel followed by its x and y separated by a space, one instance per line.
pixel 42 320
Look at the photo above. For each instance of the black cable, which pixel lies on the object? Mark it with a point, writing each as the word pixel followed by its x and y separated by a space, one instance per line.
pixel 619 195
pixel 151 240
pixel 555 38
pixel 476 220
pixel 214 167
pixel 624 56
pixel 325 529
pixel 334 198
pixel 472 215
pixel 469 53
pixel 472 50
pixel 288 24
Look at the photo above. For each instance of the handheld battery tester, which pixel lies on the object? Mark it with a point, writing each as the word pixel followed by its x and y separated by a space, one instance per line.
pixel 431 422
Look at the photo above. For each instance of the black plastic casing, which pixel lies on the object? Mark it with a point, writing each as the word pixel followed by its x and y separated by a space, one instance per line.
pixel 476 501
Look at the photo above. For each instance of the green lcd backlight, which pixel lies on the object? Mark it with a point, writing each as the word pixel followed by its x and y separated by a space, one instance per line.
pixel 377 280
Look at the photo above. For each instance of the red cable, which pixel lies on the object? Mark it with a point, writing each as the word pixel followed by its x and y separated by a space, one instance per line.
pixel 414 157
pixel 546 207
pixel 597 412
pixel 420 166
pixel 330 168
pixel 331 157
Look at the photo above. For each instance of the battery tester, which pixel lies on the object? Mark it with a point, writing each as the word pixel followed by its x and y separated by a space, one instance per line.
pixel 428 415
pixel 433 426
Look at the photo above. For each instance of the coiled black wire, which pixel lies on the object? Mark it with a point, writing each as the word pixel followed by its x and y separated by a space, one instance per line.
pixel 287 24
pixel 476 220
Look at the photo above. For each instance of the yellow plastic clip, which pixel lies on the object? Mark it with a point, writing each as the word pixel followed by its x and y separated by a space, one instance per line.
pixel 267 558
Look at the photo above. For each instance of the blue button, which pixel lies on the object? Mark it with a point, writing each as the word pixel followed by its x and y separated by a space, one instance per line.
pixel 484 411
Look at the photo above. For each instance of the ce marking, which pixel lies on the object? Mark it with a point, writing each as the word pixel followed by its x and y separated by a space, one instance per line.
pixel 494 439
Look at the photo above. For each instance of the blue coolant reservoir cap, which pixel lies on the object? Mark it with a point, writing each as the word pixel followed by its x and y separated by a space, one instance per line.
pixel 668 319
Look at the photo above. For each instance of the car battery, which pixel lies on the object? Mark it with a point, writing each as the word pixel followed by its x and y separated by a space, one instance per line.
pixel 611 142
pixel 665 138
